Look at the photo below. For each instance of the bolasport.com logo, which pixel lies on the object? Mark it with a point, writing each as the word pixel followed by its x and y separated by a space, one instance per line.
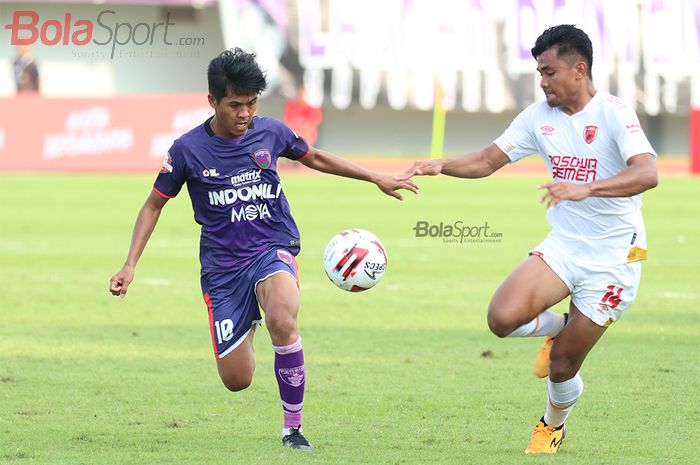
pixel 457 232
pixel 28 28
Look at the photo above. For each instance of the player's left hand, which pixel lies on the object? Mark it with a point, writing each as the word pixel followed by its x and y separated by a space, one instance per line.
pixel 389 185
pixel 558 191
pixel 119 283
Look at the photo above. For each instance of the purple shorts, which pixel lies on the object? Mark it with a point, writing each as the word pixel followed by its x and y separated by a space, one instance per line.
pixel 231 299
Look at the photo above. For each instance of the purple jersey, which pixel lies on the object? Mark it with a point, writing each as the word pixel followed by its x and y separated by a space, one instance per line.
pixel 235 190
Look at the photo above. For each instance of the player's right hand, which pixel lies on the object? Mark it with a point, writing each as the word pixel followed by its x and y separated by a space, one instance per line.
pixel 390 185
pixel 119 283
pixel 422 168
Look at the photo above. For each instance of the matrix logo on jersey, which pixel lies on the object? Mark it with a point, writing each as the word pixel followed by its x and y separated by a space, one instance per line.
pixel 244 177
pixel 263 158
pixel 570 168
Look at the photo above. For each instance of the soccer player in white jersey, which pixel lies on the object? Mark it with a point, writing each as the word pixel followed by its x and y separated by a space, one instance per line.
pixel 600 162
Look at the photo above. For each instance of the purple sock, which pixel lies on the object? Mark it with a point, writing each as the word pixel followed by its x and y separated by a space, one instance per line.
pixel 291 377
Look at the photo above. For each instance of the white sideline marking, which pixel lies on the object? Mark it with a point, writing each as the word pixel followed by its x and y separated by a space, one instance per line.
pixel 157 282
pixel 677 295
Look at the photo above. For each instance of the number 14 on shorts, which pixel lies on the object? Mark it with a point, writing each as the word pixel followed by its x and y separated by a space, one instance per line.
pixel 612 297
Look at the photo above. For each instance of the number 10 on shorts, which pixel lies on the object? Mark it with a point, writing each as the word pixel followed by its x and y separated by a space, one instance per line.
pixel 224 330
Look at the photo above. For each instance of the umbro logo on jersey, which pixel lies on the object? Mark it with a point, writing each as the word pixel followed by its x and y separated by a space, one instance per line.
pixel 589 133
pixel 547 130
pixel 210 172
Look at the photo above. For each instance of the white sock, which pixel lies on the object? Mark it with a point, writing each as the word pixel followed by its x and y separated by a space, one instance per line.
pixel 562 398
pixel 546 323
pixel 288 431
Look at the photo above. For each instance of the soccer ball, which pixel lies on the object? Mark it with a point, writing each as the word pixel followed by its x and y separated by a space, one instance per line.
pixel 354 260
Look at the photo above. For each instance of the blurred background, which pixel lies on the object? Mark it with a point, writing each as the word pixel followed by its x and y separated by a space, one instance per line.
pixel 107 86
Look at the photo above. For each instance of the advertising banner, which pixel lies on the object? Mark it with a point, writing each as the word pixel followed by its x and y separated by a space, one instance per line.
pixel 131 133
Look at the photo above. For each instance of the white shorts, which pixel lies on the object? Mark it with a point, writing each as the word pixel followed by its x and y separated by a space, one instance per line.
pixel 601 292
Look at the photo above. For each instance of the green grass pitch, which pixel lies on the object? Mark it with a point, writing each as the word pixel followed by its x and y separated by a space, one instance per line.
pixel 406 373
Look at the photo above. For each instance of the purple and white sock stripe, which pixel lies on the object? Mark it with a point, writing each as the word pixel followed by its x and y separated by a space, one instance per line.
pixel 290 349
pixel 291 378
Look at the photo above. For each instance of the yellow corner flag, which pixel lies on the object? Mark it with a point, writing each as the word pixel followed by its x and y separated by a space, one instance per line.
pixel 438 137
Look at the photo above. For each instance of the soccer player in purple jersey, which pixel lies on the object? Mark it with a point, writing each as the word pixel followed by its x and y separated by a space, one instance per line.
pixel 249 239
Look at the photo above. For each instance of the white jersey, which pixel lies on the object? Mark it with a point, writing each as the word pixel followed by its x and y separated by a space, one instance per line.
pixel 593 144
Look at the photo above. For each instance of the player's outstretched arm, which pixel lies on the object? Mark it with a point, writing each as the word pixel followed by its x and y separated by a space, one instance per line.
pixel 326 162
pixel 639 176
pixel 470 165
pixel 145 223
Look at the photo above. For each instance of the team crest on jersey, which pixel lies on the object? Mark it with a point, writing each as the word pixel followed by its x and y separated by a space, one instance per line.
pixel 589 133
pixel 285 256
pixel 263 158
pixel 167 165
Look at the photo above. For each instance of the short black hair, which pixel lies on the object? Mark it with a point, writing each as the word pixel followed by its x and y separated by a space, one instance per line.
pixel 235 71
pixel 569 41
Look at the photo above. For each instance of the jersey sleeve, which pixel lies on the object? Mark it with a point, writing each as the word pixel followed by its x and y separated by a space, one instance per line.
pixel 630 139
pixel 295 147
pixel 518 140
pixel 173 173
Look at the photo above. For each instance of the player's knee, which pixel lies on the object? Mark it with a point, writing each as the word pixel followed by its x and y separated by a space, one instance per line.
pixel 237 385
pixel 281 327
pixel 237 374
pixel 237 382
pixel 498 323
